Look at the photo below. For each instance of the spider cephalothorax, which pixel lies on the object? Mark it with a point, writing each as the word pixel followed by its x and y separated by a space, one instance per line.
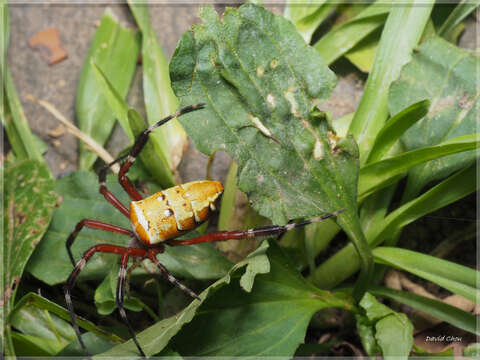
pixel 156 221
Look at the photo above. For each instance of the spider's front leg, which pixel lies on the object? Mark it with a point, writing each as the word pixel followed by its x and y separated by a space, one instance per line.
pixel 250 233
pixel 135 151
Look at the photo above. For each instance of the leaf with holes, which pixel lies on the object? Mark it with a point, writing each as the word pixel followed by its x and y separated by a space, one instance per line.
pixel 28 204
pixel 442 73
pixel 81 199
pixel 260 81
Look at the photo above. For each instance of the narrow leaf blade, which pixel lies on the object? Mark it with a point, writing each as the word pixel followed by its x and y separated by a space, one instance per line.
pixel 114 49
pixel 454 277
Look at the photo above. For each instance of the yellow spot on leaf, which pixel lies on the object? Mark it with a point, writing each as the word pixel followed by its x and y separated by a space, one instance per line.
pixel 260 71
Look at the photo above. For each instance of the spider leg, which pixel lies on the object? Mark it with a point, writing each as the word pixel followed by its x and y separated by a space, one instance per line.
pixel 94 224
pixel 102 177
pixel 250 233
pixel 166 274
pixel 137 148
pixel 120 299
pixel 67 288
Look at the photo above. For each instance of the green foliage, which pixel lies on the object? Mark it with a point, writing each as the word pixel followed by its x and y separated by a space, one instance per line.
pixel 12 116
pixel 263 87
pixel 114 49
pixel 290 163
pixel 439 309
pixel 81 199
pixel 440 72
pixel 385 329
pixel 393 52
pixel 160 101
pixel 28 204
pixel 244 313
pixel 133 124
pixel 454 277
pixel 345 36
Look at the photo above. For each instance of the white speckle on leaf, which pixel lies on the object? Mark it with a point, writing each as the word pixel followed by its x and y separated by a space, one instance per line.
pixel 271 100
pixel 104 45
pixel 260 71
pixel 318 150
pixel 260 179
pixel 259 125
pixel 273 63
pixel 290 96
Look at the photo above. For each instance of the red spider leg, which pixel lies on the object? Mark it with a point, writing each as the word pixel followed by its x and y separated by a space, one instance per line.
pixel 166 274
pixel 250 233
pixel 139 145
pixel 122 178
pixel 94 224
pixel 102 176
pixel 103 248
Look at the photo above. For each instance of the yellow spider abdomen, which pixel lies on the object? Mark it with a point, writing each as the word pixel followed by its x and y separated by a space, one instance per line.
pixel 174 211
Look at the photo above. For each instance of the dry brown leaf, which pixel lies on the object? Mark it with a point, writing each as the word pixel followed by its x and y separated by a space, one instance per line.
pixel 48 43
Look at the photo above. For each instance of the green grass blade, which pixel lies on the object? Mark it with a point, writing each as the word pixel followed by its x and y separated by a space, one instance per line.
pixel 383 173
pixel 308 16
pixel 133 124
pixel 345 262
pixel 344 37
pixel 439 309
pixel 154 161
pixel 116 103
pixel 395 127
pixel 458 279
pixel 114 49
pixel 461 11
pixel 392 53
pixel 16 125
pixel 160 101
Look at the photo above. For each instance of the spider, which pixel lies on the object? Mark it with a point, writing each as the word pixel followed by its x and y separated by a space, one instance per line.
pixel 156 221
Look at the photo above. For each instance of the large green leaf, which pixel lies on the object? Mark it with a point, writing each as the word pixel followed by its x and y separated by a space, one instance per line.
pixel 115 50
pixel 262 311
pixel 160 101
pixel 28 204
pixel 442 73
pixel 81 199
pixel 259 80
